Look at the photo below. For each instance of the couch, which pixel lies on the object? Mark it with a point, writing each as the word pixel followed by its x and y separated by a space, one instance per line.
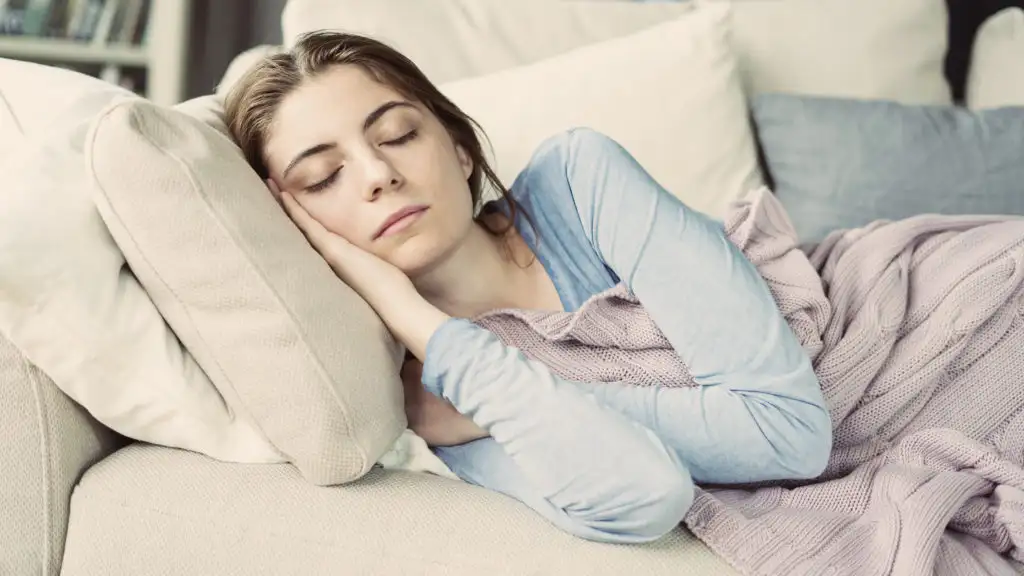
pixel 85 493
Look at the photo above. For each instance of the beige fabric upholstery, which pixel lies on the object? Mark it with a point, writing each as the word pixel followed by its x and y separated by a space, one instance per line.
pixel 11 134
pixel 33 96
pixel 209 110
pixel 996 76
pixel 645 108
pixel 46 442
pixel 68 301
pixel 287 344
pixel 456 39
pixel 152 510
pixel 887 49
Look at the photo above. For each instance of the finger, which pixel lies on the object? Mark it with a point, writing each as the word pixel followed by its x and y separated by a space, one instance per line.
pixel 314 231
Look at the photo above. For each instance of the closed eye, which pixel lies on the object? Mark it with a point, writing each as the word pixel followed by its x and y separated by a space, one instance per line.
pixel 402 139
pixel 325 183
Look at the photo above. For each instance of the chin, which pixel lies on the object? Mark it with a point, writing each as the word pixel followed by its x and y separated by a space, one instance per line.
pixel 419 255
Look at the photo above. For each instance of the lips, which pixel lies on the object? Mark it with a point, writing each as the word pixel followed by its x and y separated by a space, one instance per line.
pixel 397 217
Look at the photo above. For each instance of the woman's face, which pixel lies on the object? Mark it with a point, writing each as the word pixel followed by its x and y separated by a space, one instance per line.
pixel 373 167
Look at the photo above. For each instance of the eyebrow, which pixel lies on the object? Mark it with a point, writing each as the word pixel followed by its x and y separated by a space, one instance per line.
pixel 370 120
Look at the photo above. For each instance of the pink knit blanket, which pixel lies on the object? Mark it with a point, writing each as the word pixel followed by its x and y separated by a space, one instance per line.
pixel 916 331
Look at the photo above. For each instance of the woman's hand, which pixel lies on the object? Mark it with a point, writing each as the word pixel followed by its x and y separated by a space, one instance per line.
pixel 432 418
pixel 356 267
pixel 381 284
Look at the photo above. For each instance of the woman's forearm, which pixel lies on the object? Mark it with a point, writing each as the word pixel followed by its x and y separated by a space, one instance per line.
pixel 409 317
pixel 588 468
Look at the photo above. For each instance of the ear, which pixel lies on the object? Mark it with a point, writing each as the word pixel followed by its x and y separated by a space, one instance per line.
pixel 464 160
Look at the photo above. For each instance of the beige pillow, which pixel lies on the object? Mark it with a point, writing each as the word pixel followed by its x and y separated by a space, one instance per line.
pixel 285 342
pixel 870 49
pixel 11 134
pixel 681 112
pixel 33 96
pixel 996 76
pixel 67 299
pixel 888 49
pixel 455 39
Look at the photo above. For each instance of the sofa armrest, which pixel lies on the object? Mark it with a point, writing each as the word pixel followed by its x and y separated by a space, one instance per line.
pixel 46 442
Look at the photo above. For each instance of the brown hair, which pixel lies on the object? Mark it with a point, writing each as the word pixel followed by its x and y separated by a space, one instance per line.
pixel 253 101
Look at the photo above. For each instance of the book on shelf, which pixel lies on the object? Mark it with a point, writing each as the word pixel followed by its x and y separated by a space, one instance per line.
pixel 99 22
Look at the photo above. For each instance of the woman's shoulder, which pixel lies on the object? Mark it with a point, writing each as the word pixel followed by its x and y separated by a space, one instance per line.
pixel 530 206
pixel 542 185
pixel 546 192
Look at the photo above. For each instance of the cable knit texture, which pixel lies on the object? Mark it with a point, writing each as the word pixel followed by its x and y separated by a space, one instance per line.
pixel 916 331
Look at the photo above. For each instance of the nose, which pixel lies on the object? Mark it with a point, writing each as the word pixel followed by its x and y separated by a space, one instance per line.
pixel 381 177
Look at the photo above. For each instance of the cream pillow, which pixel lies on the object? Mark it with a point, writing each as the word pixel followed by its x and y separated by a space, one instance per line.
pixel 11 134
pixel 996 76
pixel 33 96
pixel 286 343
pixel 454 39
pixel 692 136
pixel 869 49
pixel 70 304
pixel 855 48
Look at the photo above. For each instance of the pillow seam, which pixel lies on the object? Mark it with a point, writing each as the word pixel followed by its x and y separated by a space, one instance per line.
pixel 12 115
pixel 46 457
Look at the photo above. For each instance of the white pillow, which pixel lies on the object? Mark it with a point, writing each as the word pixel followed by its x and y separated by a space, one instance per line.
pixel 692 136
pixel 996 76
pixel 33 96
pixel 68 300
pixel 11 133
pixel 865 48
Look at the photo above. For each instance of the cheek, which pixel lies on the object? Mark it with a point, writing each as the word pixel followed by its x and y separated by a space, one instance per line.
pixel 332 213
pixel 448 178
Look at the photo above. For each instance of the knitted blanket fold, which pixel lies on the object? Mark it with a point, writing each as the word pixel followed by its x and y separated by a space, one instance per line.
pixel 916 331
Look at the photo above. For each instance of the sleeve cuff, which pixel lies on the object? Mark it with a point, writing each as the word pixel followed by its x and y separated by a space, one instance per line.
pixel 443 350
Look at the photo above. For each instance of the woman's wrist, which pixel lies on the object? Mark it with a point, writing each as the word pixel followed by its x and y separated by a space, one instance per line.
pixel 411 318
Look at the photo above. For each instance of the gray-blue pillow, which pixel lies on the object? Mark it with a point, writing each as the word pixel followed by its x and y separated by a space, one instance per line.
pixel 837 163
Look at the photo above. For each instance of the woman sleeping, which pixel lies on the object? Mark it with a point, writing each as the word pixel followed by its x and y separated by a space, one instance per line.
pixel 383 174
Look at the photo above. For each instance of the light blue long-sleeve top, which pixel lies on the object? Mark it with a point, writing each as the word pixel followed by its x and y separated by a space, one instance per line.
pixel 611 461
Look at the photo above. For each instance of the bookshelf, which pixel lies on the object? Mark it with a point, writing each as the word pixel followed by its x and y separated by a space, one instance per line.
pixel 140 44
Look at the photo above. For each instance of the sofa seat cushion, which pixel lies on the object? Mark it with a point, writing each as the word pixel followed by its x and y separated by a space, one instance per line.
pixel 156 510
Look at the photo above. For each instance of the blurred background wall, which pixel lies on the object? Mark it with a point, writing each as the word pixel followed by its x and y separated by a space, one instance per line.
pixel 220 29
